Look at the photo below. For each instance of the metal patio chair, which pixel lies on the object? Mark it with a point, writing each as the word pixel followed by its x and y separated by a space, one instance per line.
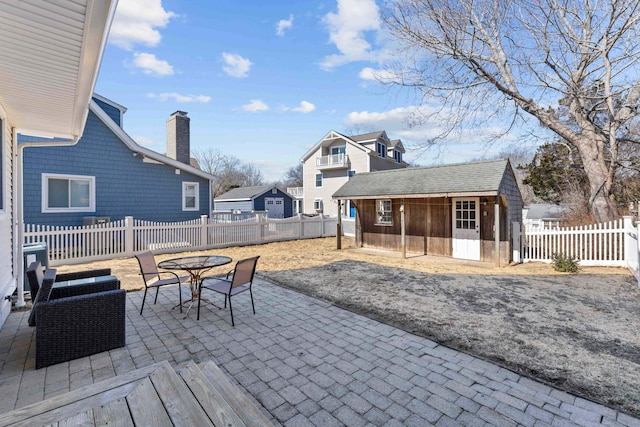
pixel 241 281
pixel 153 278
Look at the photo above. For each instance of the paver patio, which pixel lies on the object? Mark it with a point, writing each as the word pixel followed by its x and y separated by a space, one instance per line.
pixel 307 362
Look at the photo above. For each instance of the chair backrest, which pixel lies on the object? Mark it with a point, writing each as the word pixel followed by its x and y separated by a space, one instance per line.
pixel 34 275
pixel 45 280
pixel 244 271
pixel 148 266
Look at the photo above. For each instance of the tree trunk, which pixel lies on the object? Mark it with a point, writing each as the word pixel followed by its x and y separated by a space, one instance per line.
pixel 601 199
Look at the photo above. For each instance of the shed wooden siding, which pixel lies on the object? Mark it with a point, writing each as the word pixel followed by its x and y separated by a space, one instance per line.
pixel 428 227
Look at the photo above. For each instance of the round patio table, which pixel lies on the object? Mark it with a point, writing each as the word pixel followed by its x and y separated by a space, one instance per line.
pixel 195 266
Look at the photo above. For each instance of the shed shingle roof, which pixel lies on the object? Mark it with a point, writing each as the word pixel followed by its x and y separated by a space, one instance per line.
pixel 244 193
pixel 477 177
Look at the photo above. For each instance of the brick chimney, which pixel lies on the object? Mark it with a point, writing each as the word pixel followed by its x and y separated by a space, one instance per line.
pixel 178 146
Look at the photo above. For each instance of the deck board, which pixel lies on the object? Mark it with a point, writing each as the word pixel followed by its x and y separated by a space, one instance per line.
pixel 155 395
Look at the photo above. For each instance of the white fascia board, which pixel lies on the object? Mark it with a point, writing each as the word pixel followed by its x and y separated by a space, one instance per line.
pixel 110 102
pixel 133 146
pixel 98 20
pixel 419 196
pixel 246 199
pixel 332 135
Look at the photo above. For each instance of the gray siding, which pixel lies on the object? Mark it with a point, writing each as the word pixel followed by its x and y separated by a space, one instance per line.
pixel 224 206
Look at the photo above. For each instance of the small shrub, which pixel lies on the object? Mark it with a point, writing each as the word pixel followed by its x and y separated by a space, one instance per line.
pixel 564 263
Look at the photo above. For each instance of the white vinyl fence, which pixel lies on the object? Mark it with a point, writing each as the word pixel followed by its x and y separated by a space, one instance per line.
pixel 125 238
pixel 613 243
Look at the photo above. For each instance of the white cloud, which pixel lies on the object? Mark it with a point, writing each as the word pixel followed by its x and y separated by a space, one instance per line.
pixel 284 24
pixel 255 105
pixel 383 76
pixel 152 65
pixel 137 22
pixel 165 96
pixel 305 107
pixel 347 30
pixel 236 65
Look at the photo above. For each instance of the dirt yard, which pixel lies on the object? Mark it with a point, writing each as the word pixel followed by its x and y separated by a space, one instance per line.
pixel 577 332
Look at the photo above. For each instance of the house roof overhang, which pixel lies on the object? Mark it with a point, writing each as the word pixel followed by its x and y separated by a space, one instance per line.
pixel 51 54
pixel 420 196
pixel 330 138
pixel 152 156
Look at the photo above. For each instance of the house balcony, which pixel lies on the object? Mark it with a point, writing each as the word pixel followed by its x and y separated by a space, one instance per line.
pixel 296 192
pixel 334 161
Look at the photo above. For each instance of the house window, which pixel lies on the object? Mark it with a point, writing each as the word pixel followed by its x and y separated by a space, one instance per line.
pixel 381 149
pixel 340 149
pixel 68 193
pixel 383 212
pixel 190 199
pixel 317 205
pixel 397 156
pixel 319 179
pixel 351 173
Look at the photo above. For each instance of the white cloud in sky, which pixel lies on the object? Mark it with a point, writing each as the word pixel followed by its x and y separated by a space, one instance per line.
pixel 255 105
pixel 383 76
pixel 165 96
pixel 236 65
pixel 284 24
pixel 151 65
pixel 347 30
pixel 137 22
pixel 305 107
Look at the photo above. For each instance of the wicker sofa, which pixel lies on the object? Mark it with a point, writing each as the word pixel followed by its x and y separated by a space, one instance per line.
pixel 75 321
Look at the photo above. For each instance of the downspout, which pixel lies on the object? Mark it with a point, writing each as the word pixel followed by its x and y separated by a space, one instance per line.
pixel 19 203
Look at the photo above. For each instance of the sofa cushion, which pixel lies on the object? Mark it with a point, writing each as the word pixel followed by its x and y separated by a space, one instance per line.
pixel 44 293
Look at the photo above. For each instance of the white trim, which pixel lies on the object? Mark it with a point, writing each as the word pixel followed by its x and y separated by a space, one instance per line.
pixel 185 186
pixel 45 193
pixel 333 135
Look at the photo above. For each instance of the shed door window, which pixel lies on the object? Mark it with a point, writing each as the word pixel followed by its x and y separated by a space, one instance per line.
pixel 190 199
pixel 68 193
pixel 466 215
pixel 383 212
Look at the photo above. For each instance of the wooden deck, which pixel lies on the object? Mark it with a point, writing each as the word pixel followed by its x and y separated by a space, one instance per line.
pixel 156 395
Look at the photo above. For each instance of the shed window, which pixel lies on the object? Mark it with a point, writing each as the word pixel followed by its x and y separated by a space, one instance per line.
pixel 190 196
pixel 381 149
pixel 383 212
pixel 68 193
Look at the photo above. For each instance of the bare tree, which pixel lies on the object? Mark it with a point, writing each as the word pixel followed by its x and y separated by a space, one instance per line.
pixel 571 64
pixel 229 172
pixel 293 177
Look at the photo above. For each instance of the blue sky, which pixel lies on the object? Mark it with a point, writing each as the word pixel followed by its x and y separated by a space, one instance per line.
pixel 261 80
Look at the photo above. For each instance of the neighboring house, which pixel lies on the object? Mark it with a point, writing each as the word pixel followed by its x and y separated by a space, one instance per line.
pixel 464 210
pixel 275 201
pixel 107 175
pixel 336 158
pixel 50 61
pixel 538 216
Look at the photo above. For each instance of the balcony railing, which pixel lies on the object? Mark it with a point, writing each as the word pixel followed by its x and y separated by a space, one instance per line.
pixel 296 192
pixel 332 161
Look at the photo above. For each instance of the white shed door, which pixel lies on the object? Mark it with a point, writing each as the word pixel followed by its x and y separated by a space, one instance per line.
pixel 274 207
pixel 466 228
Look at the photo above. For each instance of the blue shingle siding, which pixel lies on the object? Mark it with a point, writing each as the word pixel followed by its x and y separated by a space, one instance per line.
pixel 111 111
pixel 125 186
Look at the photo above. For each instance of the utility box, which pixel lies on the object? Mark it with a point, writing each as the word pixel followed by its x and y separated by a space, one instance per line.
pixel 95 220
pixel 34 252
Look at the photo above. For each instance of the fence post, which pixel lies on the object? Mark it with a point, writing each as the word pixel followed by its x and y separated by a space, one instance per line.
pixel 636 248
pixel 628 228
pixel 204 241
pixel 128 236
pixel 516 235
pixel 300 227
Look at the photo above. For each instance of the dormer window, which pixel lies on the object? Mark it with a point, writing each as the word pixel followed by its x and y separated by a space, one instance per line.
pixel 381 149
pixel 397 156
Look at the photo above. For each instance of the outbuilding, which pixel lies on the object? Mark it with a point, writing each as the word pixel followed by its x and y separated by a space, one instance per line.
pixel 464 210
pixel 277 202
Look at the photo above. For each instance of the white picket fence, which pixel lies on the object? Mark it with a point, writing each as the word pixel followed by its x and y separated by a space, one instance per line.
pixel 613 243
pixel 125 238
